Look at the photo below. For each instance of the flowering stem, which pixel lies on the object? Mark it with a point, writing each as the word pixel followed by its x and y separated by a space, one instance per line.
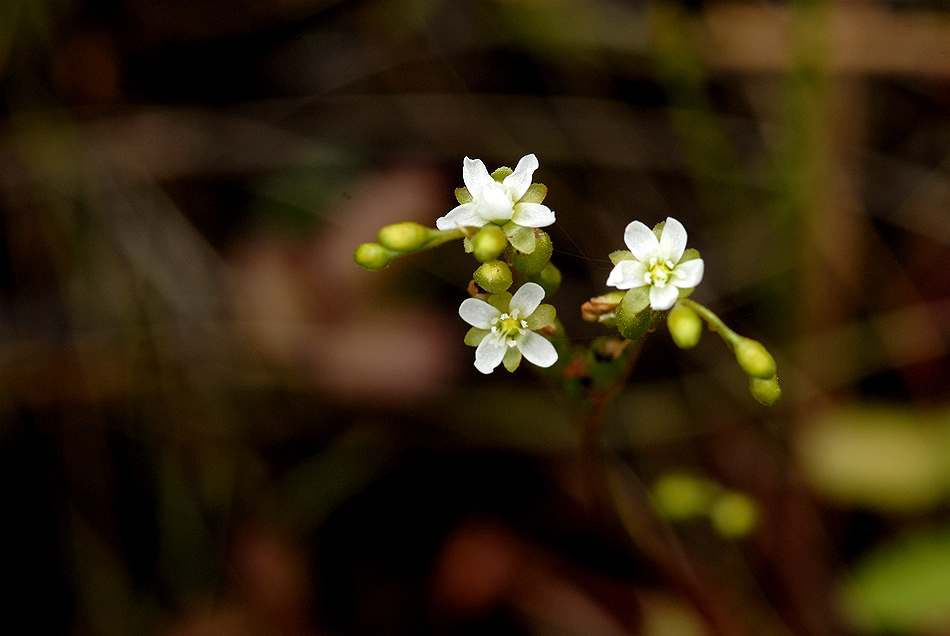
pixel 716 324
pixel 438 237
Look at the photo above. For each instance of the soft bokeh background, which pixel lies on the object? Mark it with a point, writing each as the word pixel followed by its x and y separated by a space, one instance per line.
pixel 213 422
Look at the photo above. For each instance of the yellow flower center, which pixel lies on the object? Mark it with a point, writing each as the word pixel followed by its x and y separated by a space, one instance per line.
pixel 509 327
pixel 658 274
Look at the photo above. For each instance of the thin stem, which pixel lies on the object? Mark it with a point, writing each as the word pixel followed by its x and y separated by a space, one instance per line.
pixel 715 323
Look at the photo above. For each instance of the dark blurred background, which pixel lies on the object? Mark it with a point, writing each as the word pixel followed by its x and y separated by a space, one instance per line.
pixel 213 422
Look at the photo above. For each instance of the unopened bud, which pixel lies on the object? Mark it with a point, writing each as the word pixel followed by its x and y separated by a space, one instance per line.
pixel 532 264
pixel 734 515
pixel 493 276
pixel 634 315
pixel 403 237
pixel 766 392
pixel 489 243
pixel 549 279
pixel 680 496
pixel 373 256
pixel 685 326
pixel 754 358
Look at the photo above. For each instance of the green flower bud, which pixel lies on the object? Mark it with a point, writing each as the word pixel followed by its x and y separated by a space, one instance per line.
pixel 767 392
pixel 404 237
pixel 493 276
pixel 680 496
pixel 685 326
pixel 754 358
pixel 734 515
pixel 549 279
pixel 373 256
pixel 489 243
pixel 533 263
pixel 634 315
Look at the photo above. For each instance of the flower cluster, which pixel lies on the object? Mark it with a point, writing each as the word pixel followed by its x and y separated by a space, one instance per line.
pixel 499 217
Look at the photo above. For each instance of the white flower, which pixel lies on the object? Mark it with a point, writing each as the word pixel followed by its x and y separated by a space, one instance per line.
pixel 505 334
pixel 497 202
pixel 657 263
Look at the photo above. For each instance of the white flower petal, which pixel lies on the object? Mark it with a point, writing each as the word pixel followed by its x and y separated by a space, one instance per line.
pixel 494 203
pixel 537 349
pixel 475 175
pixel 527 299
pixel 478 313
pixel 490 353
pixel 641 241
pixel 627 275
pixel 519 181
pixel 533 215
pixel 461 216
pixel 662 298
pixel 688 274
pixel 672 240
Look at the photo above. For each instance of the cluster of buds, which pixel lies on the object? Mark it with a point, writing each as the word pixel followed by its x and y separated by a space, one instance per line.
pixel 500 216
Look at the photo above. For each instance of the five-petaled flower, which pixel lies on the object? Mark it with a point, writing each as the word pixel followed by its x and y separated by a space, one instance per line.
pixel 658 263
pixel 503 329
pixel 486 199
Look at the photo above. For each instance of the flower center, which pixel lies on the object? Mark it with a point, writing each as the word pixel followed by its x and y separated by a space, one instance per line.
pixel 509 327
pixel 658 274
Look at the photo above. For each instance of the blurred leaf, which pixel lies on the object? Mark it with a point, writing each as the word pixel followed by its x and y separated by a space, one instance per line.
pixel 104 589
pixel 890 460
pixel 186 552
pixel 313 489
pixel 904 586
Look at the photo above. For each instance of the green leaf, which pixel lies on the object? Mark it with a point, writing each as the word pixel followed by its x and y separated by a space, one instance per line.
pixel 903 587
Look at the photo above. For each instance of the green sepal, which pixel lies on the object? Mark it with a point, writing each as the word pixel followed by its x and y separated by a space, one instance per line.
pixel 690 254
pixel 463 196
pixel 468 244
pixel 634 316
pixel 475 336
pixel 500 174
pixel 543 316
pixel 658 229
pixel 512 359
pixel 533 263
pixel 521 238
pixel 621 255
pixel 501 301
pixel 535 194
